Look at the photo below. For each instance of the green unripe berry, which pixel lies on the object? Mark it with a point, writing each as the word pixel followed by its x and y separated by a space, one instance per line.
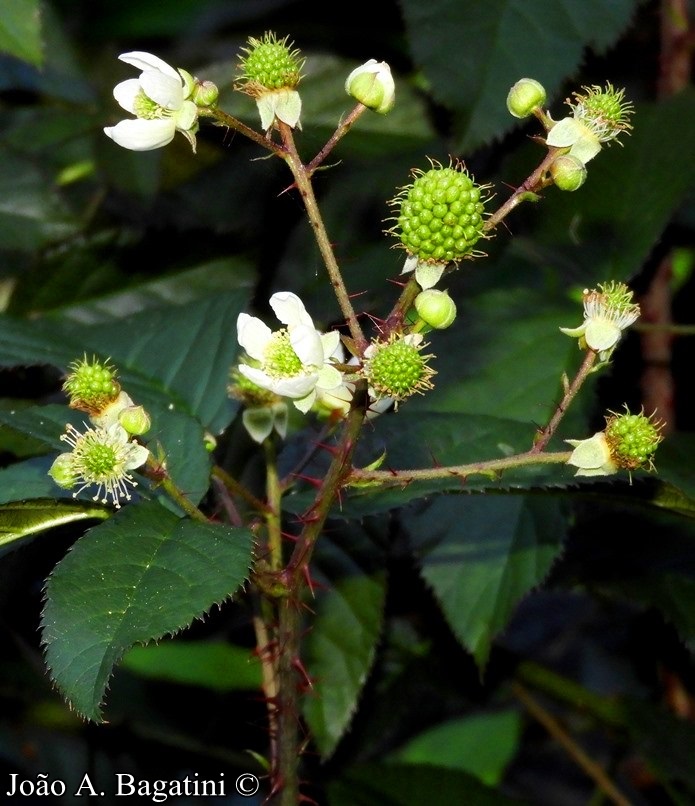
pixel 435 308
pixel 525 96
pixel 397 369
pixel 271 63
pixel 568 172
pixel 440 214
pixel 633 440
pixel 91 385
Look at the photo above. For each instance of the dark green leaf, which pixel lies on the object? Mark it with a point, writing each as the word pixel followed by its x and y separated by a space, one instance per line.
pixel 339 649
pixel 22 519
pixel 481 555
pixel 142 575
pixel 210 664
pixel 20 30
pixel 472 53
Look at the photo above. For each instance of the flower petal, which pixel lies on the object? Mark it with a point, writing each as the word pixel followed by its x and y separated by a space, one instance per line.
pixel 332 347
pixel 305 403
pixel 329 377
pixel 296 387
pixel 602 334
pixel 162 89
pixel 258 422
pixel 147 61
pixel 142 135
pixel 306 342
pixel 253 335
pixel 126 92
pixel 187 116
pixel 290 310
pixel 565 133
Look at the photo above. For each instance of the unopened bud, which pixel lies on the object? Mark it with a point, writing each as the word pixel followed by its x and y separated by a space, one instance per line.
pixel 568 172
pixel 435 308
pixel 525 96
pixel 135 420
pixel 205 93
pixel 372 85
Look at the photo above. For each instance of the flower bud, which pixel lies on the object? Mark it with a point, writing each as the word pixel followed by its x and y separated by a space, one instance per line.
pixel 372 85
pixel 62 471
pixel 435 308
pixel 205 93
pixel 568 172
pixel 525 96
pixel 135 420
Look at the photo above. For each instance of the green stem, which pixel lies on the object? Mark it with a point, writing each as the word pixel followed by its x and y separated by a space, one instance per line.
pixel 544 436
pixel 238 489
pixel 155 471
pixel 273 510
pixel 303 183
pixel 400 478
pixel 288 739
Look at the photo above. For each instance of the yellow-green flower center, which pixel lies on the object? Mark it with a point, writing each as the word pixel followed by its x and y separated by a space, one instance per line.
pixel 147 109
pixel 281 361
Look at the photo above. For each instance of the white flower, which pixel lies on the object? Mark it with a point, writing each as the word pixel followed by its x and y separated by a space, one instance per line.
pixel 292 362
pixel 608 311
pixel 592 456
pixel 159 100
pixel 336 402
pixel 101 456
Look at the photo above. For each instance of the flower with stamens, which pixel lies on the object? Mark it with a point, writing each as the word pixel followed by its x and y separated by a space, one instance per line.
pixel 264 411
pixel 608 310
pixel 396 368
pixel 599 116
pixel 160 101
pixel 292 362
pixel 101 456
pixel 439 220
pixel 270 72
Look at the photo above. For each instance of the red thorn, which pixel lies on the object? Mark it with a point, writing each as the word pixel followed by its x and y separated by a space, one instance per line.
pixel 326 447
pixel 308 683
pixel 315 482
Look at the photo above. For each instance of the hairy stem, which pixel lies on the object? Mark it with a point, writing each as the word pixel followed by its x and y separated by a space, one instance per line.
pixel 343 128
pixel 306 191
pixel 272 516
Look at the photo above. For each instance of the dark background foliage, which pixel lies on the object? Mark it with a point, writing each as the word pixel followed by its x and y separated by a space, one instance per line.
pixel 599 632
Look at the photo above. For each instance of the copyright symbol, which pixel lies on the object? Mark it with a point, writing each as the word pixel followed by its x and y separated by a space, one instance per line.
pixel 247 785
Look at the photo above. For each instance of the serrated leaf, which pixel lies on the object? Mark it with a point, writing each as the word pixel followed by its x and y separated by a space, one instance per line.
pixel 22 519
pixel 210 664
pixel 29 480
pixel 484 48
pixel 339 649
pixel 20 31
pixel 142 575
pixel 411 785
pixel 481 555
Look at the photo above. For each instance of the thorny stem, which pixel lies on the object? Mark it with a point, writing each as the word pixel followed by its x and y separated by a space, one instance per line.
pixel 238 489
pixel 274 495
pixel 544 436
pixel 343 128
pixel 288 737
pixel 225 119
pixel 158 473
pixel 400 478
pixel 303 183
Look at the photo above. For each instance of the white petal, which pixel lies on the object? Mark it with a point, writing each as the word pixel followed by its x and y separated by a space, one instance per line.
pixel 296 387
pixel 429 274
pixel 290 310
pixel 565 133
pixel 253 335
pixel 162 89
pixel 126 92
pixel 586 148
pixel 138 456
pixel 142 135
pixel 187 116
pixel 258 422
pixel 601 334
pixel 332 347
pixel 306 342
pixel 147 61
pixel 305 403
pixel 329 377
pixel 592 454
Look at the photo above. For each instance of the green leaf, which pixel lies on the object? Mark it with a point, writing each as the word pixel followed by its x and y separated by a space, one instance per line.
pixel 22 519
pixel 20 31
pixel 142 575
pixel 410 785
pixel 482 745
pixel 348 613
pixel 209 664
pixel 482 49
pixel 25 481
pixel 481 555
